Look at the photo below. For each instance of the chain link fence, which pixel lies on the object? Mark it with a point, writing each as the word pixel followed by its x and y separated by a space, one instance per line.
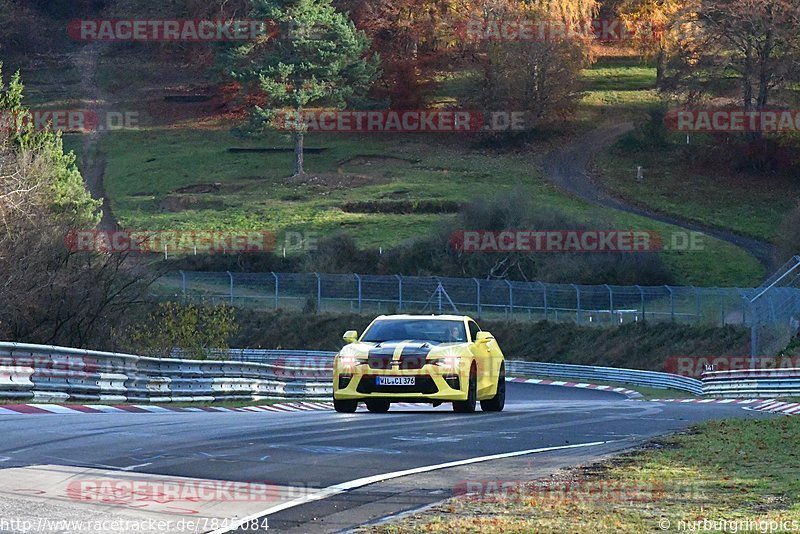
pixel 488 299
pixel 774 309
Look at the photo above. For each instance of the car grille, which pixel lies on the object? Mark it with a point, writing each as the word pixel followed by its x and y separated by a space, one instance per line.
pixel 406 362
pixel 424 385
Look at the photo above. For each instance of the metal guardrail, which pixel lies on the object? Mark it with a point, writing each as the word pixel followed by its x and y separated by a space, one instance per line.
pixel 321 362
pixel 41 373
pixel 652 379
pixel 752 383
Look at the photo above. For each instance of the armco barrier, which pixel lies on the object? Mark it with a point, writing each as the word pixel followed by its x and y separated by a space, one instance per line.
pixel 653 379
pixel 752 383
pixel 47 374
pixel 42 373
pixel 321 362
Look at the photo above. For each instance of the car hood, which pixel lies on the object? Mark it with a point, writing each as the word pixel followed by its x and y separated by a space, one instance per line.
pixel 407 348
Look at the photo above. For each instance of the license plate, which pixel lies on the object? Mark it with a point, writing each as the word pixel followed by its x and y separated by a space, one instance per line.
pixel 395 380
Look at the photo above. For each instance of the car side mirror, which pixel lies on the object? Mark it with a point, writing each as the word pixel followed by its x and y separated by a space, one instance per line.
pixel 484 337
pixel 351 336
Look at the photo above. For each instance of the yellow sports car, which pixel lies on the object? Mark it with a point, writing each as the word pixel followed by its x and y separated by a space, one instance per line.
pixel 420 358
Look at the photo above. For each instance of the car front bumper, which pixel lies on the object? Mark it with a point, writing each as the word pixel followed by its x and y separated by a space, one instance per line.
pixel 431 384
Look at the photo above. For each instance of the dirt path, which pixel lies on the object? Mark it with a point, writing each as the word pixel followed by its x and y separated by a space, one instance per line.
pixel 93 160
pixel 568 166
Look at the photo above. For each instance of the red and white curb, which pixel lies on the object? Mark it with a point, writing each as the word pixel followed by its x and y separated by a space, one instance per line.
pixel 759 405
pixel 709 401
pixel 26 409
pixel 786 408
pixel 631 394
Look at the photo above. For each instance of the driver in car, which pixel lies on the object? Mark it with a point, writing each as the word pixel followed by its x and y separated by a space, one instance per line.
pixel 455 334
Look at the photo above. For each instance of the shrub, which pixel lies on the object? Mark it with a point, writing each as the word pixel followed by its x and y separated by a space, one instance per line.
pixel 195 329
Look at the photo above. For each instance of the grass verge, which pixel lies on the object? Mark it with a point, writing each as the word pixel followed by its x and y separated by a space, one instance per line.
pixel 740 470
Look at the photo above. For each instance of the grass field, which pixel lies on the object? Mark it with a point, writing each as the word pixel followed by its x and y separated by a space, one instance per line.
pixel 147 168
pixel 724 470
pixel 144 174
pixel 680 179
pixel 748 204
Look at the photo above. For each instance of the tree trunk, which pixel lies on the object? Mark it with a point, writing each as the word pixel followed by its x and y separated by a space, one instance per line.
pixel 661 60
pixel 299 139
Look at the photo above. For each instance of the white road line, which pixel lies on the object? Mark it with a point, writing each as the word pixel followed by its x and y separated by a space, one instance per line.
pixel 344 487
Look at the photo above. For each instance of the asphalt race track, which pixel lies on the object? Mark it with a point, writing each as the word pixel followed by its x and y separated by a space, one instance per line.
pixel 77 467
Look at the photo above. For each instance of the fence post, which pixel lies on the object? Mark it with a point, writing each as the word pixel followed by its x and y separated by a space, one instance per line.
pixel 319 293
pixel 610 302
pixel 276 288
pixel 399 291
pixel 183 283
pixel 671 304
pixel 544 294
pixel 359 291
pixel 578 303
pixel 696 304
pixel 644 313
pixel 478 299
pixel 231 277
pixel 510 298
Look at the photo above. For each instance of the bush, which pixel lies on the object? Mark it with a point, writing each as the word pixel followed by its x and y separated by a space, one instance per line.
pixel 434 255
pixel 172 325
pixel 787 241
pixel 401 207
pixel 648 135
pixel 633 345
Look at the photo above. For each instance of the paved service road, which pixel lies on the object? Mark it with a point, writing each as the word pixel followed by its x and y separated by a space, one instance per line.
pixel 150 466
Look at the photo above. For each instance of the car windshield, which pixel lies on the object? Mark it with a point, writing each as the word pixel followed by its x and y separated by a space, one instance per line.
pixel 418 329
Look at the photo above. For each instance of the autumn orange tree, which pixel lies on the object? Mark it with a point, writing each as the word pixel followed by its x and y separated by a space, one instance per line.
pixel 658 27
pixel 539 76
pixel 412 38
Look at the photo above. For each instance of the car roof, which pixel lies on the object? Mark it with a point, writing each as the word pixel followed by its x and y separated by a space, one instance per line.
pixel 432 316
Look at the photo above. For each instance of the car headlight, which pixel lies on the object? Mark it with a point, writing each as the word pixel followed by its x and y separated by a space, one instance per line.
pixel 449 362
pixel 348 362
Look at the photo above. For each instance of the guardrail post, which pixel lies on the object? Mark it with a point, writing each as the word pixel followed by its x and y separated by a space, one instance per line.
pixel 544 294
pixel 671 304
pixel 277 283
pixel 510 299
pixel 644 313
pixel 183 283
pixel 610 302
pixel 578 303
pixel 231 277
pixel 359 291
pixel 696 304
pixel 478 299
pixel 319 293
pixel 753 345
pixel 399 292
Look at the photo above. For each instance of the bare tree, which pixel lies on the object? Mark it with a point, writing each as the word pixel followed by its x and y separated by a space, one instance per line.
pixel 50 292
pixel 755 40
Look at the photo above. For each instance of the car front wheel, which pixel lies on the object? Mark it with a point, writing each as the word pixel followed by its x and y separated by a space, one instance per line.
pixel 345 406
pixel 378 406
pixel 468 406
pixel 496 403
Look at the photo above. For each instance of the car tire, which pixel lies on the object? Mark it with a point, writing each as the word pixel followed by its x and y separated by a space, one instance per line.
pixel 496 403
pixel 378 406
pixel 468 406
pixel 345 406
